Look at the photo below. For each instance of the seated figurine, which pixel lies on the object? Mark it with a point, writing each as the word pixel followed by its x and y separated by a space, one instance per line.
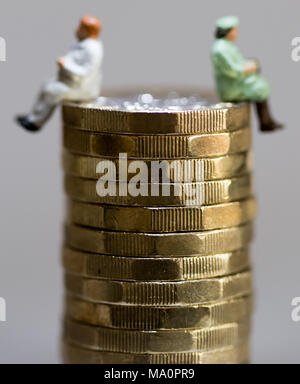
pixel 238 79
pixel 79 77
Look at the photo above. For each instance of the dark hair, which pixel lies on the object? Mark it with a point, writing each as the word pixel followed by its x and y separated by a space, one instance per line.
pixel 221 33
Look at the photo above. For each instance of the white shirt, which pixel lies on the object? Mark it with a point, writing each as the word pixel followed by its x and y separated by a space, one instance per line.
pixel 82 68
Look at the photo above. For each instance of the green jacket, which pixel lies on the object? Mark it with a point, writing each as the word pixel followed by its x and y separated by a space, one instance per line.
pixel 232 84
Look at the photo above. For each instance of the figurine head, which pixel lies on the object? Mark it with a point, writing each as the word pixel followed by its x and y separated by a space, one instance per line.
pixel 227 28
pixel 89 27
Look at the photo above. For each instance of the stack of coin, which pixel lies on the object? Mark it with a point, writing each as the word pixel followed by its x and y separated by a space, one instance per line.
pixel 159 223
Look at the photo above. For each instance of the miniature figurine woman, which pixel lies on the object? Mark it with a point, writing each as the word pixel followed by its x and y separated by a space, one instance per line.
pixel 238 79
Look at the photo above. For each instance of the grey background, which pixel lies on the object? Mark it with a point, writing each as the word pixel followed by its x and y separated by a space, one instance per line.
pixel 146 42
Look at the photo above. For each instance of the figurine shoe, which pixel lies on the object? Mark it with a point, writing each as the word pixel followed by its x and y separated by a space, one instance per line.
pixel 28 125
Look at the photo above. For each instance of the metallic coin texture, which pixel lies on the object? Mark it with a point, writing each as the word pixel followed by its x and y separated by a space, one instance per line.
pixel 188 170
pixel 158 245
pixel 205 193
pixel 159 221
pixel 158 318
pixel 156 146
pixel 122 341
pixel 162 220
pixel 209 119
pixel 154 269
pixel 160 294
pixel 230 355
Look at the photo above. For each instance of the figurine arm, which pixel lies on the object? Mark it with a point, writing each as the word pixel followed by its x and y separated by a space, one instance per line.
pixel 229 67
pixel 80 61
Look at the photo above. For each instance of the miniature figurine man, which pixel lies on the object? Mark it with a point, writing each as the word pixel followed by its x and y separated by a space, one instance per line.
pixel 238 79
pixel 79 77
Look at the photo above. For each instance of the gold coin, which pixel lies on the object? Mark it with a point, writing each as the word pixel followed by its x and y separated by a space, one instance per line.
pixel 160 294
pixel 154 269
pixel 154 245
pixel 155 146
pixel 216 118
pixel 158 318
pixel 193 170
pixel 207 193
pixel 229 355
pixel 162 220
pixel 124 341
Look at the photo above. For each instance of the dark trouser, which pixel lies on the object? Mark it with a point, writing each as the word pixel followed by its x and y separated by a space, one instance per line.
pixel 267 123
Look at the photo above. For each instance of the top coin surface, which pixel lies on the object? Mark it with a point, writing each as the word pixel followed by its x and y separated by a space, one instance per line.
pixel 151 114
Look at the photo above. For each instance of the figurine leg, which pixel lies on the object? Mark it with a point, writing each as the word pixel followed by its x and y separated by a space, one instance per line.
pixel 51 95
pixel 267 123
pixel 41 112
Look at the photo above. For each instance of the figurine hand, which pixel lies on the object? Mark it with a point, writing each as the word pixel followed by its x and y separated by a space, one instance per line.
pixel 251 67
pixel 60 62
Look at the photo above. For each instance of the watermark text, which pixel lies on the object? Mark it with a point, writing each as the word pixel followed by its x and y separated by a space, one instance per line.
pixel 155 179
pixel 296 309
pixel 296 49
pixel 2 310
pixel 2 49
